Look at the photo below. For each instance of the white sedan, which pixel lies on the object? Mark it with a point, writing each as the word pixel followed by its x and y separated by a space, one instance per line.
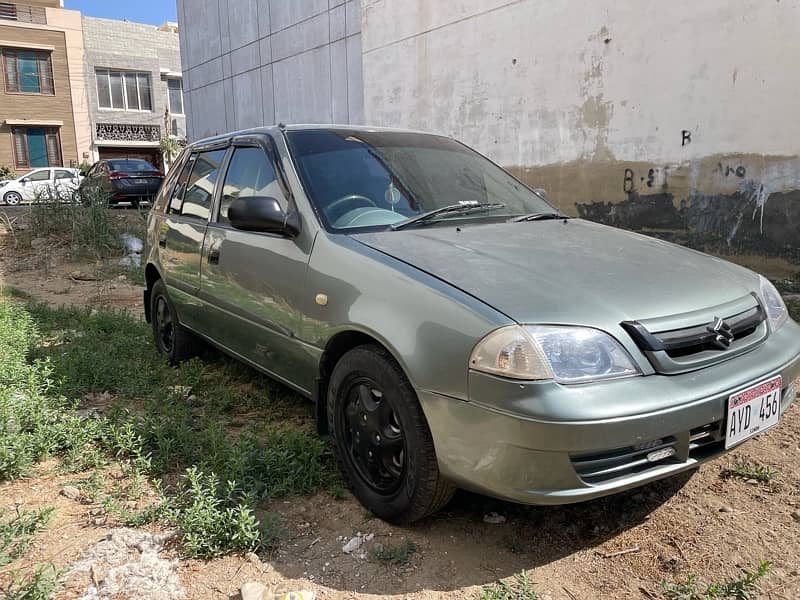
pixel 57 183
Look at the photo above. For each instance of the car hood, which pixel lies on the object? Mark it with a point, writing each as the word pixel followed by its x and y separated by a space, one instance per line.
pixel 573 272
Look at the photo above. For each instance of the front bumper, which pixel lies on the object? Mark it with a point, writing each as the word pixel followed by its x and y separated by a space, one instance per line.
pixel 545 443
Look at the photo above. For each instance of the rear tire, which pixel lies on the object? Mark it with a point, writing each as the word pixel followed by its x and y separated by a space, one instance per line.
pixel 382 441
pixel 171 338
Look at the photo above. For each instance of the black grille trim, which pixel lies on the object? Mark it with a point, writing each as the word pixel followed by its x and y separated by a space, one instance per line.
pixel 690 340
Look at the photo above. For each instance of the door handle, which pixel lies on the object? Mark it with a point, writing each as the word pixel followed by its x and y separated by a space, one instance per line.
pixel 162 243
pixel 213 256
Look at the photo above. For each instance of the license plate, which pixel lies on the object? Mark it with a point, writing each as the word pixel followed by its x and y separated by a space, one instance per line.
pixel 753 411
pixel 140 181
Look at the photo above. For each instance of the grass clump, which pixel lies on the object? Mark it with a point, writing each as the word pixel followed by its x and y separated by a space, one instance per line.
pixel 35 423
pixel 16 533
pixel 394 555
pixel 166 422
pixel 37 585
pixel 749 471
pixel 519 589
pixel 743 588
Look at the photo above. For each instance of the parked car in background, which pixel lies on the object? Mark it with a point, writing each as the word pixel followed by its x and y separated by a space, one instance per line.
pixel 452 327
pixel 130 180
pixel 50 183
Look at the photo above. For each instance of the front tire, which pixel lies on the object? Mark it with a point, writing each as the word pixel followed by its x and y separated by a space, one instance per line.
pixel 171 338
pixel 12 198
pixel 382 441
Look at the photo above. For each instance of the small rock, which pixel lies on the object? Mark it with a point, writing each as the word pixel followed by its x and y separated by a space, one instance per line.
pixel 122 278
pixel 752 482
pixel 301 595
pixel 252 590
pixel 252 557
pixel 493 518
pixel 82 276
pixel 353 545
pixel 796 515
pixel 71 492
pixel 725 509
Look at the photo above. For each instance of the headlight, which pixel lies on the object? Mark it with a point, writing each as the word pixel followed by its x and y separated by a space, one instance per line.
pixel 566 354
pixel 773 303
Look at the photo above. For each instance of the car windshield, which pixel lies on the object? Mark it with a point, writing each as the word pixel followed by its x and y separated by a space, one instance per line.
pixel 359 179
pixel 130 164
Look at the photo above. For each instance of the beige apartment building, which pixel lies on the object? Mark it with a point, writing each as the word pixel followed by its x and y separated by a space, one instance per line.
pixel 44 115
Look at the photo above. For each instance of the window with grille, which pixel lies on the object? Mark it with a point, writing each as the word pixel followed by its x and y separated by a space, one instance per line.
pixel 36 147
pixel 124 90
pixel 175 87
pixel 28 72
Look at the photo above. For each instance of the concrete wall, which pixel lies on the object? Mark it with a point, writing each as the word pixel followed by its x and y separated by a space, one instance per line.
pixel 249 63
pixel 676 118
pixel 132 46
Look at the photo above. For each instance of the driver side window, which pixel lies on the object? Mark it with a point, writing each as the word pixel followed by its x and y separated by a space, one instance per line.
pixel 43 175
pixel 250 173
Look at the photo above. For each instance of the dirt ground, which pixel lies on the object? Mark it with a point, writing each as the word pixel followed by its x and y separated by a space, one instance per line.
pixel 618 547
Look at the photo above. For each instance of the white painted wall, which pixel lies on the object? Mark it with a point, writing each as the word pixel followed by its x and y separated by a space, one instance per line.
pixel 535 82
pixel 248 63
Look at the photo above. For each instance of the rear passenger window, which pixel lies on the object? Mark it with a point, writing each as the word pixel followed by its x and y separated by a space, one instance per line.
pixel 250 174
pixel 200 187
pixel 64 174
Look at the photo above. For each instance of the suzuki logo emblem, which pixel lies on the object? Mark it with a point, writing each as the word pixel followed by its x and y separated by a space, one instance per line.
pixel 724 334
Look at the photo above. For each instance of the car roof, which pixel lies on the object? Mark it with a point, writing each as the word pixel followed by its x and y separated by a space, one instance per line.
pixel 272 129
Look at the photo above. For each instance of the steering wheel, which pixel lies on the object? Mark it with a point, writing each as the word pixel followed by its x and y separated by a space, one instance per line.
pixel 348 198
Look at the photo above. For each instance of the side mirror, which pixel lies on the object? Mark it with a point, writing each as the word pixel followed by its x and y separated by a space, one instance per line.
pixel 264 214
pixel 24 181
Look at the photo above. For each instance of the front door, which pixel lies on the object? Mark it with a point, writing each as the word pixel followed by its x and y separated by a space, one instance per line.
pixel 37 185
pixel 182 231
pixel 254 282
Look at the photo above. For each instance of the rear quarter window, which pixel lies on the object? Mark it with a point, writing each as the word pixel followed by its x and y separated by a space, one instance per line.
pixel 167 186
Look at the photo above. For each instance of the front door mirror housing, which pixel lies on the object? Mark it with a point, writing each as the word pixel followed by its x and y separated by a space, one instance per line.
pixel 263 214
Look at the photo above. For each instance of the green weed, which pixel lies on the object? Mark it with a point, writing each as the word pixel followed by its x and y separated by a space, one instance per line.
pixel 394 555
pixel 214 518
pixel 749 471
pixel 743 588
pixel 16 533
pixel 519 589
pixel 38 585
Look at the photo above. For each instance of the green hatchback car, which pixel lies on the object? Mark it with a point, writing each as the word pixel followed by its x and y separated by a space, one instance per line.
pixel 452 328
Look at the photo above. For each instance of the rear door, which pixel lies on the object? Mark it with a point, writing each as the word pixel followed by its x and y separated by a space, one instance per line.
pixel 254 282
pixel 181 234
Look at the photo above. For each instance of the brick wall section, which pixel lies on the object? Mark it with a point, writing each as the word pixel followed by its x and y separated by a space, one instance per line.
pixel 41 107
pixel 136 47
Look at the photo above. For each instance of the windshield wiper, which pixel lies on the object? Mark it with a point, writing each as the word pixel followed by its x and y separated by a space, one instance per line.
pixel 451 209
pixel 540 216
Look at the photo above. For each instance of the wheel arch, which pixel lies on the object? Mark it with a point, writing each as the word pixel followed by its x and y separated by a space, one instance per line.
pixel 151 275
pixel 339 345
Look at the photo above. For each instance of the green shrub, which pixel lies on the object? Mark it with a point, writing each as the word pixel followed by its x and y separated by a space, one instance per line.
pixel 214 518
pixel 7 172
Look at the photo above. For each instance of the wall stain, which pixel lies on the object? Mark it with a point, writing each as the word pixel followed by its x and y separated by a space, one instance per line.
pixel 728 204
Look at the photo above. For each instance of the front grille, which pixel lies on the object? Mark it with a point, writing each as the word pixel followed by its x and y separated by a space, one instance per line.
pixel 682 343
